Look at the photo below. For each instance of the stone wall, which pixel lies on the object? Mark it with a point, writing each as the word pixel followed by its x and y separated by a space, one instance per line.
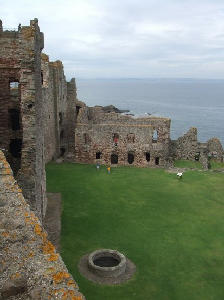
pixel 59 97
pixel 20 63
pixel 37 110
pixel 188 147
pixel 112 138
pixel 30 268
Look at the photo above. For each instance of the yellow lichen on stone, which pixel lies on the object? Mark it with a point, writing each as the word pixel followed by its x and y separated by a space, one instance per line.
pixel 37 229
pixel 60 276
pixel 53 257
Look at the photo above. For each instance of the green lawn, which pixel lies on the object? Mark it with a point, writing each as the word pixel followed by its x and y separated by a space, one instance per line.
pixel 216 165
pixel 188 164
pixel 173 230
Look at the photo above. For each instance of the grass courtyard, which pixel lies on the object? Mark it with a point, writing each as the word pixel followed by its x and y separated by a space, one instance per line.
pixel 173 230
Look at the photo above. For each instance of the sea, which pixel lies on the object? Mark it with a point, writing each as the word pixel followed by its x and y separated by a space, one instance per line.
pixel 188 102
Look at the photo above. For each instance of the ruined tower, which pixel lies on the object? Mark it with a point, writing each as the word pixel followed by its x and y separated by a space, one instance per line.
pixel 21 107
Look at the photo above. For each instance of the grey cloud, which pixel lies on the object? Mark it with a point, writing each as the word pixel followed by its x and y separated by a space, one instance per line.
pixel 147 38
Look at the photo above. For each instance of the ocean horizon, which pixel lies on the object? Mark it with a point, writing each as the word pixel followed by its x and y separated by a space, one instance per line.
pixel 188 102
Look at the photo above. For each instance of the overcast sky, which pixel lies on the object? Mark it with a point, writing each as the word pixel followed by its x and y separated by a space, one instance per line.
pixel 128 38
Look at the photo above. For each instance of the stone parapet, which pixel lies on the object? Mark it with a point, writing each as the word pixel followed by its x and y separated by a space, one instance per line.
pixel 30 268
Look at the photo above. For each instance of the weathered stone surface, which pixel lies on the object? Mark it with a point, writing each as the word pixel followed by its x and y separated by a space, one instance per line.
pixel 30 268
pixel 130 139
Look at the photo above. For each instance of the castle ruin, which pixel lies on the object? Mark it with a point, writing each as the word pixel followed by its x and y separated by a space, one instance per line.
pixel 41 119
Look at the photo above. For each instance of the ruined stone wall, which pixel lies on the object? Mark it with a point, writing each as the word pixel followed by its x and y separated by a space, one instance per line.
pixel 59 98
pixel 30 268
pixel 20 55
pixel 188 147
pixel 103 137
pixel 215 149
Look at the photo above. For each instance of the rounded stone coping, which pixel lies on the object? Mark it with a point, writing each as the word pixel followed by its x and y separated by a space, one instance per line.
pixel 112 271
pixel 94 276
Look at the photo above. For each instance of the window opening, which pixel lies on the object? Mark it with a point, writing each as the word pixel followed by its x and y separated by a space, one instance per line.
pixel 114 158
pixel 131 158
pixel 98 155
pixel 147 156
pixel 14 117
pixel 157 161
pixel 155 136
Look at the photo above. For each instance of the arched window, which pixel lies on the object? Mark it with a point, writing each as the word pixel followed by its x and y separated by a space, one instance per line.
pixel 155 136
pixel 131 158
pixel 114 158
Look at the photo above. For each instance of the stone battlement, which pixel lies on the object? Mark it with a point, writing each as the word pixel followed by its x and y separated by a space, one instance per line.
pixel 30 268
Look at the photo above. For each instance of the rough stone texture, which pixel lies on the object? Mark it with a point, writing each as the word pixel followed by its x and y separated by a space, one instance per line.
pixel 127 137
pixel 20 55
pixel 59 98
pixel 37 117
pixel 187 147
pixel 215 149
pixel 52 219
pixel 30 268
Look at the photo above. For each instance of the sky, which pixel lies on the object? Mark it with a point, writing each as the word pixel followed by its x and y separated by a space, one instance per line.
pixel 128 38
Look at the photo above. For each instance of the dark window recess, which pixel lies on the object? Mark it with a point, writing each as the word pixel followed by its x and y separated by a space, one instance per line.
pixel 62 150
pixel 114 158
pixel 131 158
pixel 15 147
pixel 14 117
pixel 157 161
pixel 147 156
pixel 197 156
pixel 98 155
pixel 60 118
pixel 62 134
pixel 42 77
pixel 77 110
pixel 155 136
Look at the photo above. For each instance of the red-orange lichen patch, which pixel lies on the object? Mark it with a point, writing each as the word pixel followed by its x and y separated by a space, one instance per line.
pixel 16 275
pixel 5 234
pixel 53 257
pixel 70 295
pixel 71 283
pixel 37 229
pixel 48 248
pixel 60 276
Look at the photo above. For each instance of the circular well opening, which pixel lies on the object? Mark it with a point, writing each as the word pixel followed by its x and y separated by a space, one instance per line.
pixel 106 261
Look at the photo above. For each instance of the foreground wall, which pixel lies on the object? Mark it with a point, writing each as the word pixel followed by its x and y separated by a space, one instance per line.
pixel 30 268
pixel 21 107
